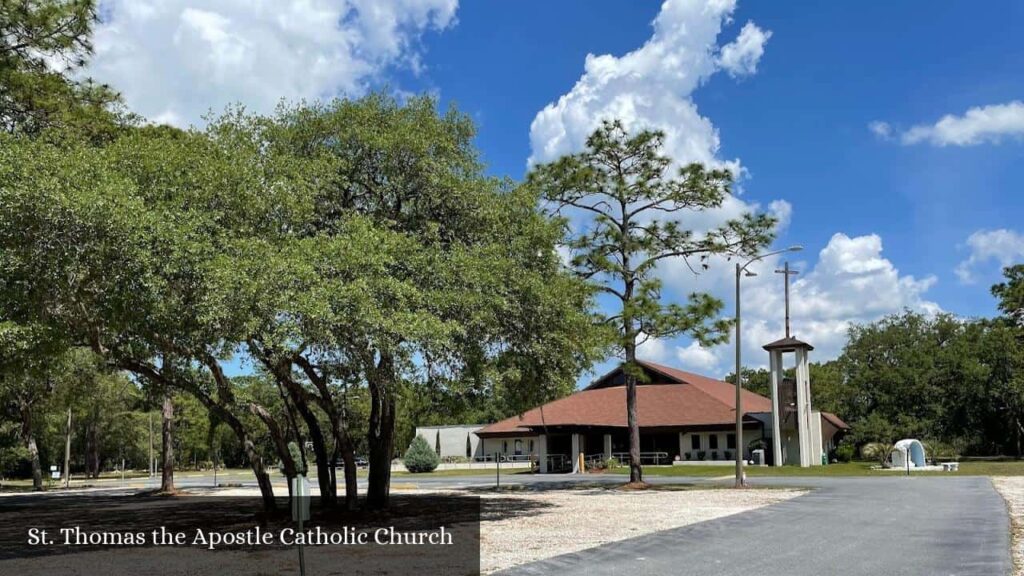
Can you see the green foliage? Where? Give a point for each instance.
(877, 451)
(296, 454)
(420, 457)
(939, 450)
(874, 428)
(758, 381)
(620, 205)
(623, 186)
(354, 247)
(826, 384)
(910, 376)
(846, 451)
(1011, 294)
(43, 46)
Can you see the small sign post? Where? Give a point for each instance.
(300, 511)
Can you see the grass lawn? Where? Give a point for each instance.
(982, 468)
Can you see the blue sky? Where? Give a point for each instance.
(801, 123)
(831, 113)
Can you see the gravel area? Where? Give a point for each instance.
(1012, 490)
(521, 527)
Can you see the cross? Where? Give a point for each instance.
(787, 273)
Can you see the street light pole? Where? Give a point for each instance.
(740, 269)
(740, 482)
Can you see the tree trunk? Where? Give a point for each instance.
(220, 408)
(299, 398)
(636, 473)
(280, 442)
(1018, 435)
(28, 435)
(343, 448)
(167, 445)
(262, 478)
(343, 445)
(381, 435)
(255, 462)
(328, 490)
(342, 441)
(92, 451)
(67, 453)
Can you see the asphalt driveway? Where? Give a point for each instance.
(920, 526)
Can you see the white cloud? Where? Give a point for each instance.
(652, 85)
(1003, 246)
(698, 358)
(985, 124)
(740, 57)
(850, 283)
(783, 212)
(655, 350)
(174, 60)
(881, 129)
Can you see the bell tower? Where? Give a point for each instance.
(796, 428)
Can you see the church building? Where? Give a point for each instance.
(684, 418)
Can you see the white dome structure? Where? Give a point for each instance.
(908, 450)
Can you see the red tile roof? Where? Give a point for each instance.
(672, 398)
(835, 420)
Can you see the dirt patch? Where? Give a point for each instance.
(1012, 490)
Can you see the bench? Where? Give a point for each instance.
(950, 466)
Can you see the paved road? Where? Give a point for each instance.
(891, 526)
(923, 526)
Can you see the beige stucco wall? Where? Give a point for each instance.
(686, 440)
(507, 446)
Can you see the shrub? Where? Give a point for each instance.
(878, 451)
(845, 452)
(612, 463)
(420, 457)
(938, 450)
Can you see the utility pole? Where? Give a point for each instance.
(787, 273)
